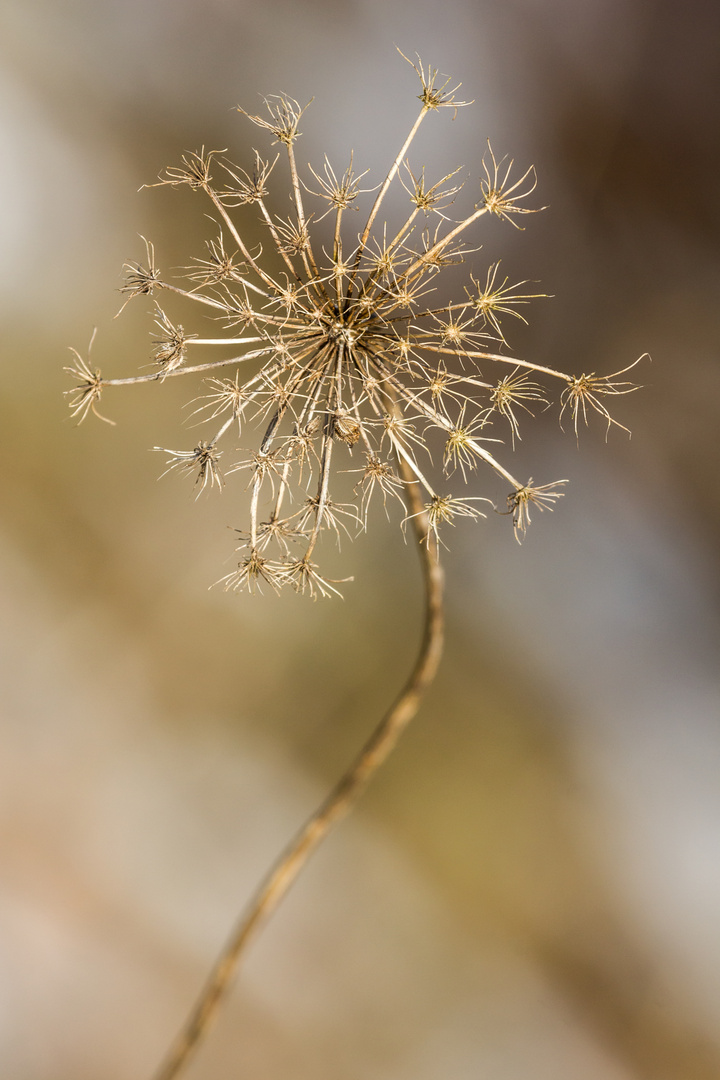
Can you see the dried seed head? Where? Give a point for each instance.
(227, 395)
(512, 392)
(325, 514)
(294, 236)
(304, 577)
(428, 199)
(378, 475)
(85, 396)
(434, 96)
(543, 496)
(219, 266)
(501, 197)
(252, 571)
(282, 533)
(262, 465)
(194, 171)
(345, 427)
(443, 509)
(461, 448)
(169, 350)
(584, 392)
(284, 116)
(355, 349)
(203, 459)
(342, 193)
(248, 187)
(141, 280)
(492, 300)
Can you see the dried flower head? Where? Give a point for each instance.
(519, 502)
(85, 396)
(336, 350)
(511, 392)
(204, 460)
(584, 392)
(141, 280)
(501, 197)
(443, 509)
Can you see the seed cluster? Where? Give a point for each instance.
(339, 355)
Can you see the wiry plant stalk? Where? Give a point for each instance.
(333, 808)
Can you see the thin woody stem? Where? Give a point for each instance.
(437, 248)
(381, 195)
(159, 376)
(241, 244)
(278, 244)
(499, 358)
(337, 804)
(307, 254)
(370, 287)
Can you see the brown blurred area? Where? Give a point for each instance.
(532, 887)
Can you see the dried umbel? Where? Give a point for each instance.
(341, 359)
(339, 356)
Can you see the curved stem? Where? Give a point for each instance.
(334, 807)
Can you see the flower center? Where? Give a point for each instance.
(338, 331)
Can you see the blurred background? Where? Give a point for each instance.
(532, 886)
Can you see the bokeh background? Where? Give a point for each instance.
(532, 887)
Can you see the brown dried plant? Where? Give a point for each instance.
(339, 354)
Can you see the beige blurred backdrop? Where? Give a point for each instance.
(531, 889)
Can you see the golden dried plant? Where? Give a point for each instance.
(337, 355)
(343, 355)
